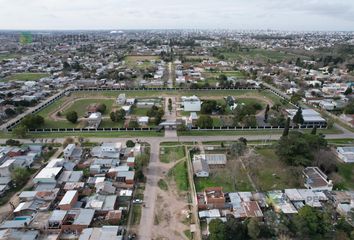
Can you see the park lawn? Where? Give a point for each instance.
(25, 77)
(346, 173)
(51, 108)
(139, 111)
(171, 153)
(108, 123)
(59, 124)
(81, 106)
(180, 175)
(272, 173)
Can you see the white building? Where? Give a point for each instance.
(191, 104)
(346, 154)
(143, 120)
(121, 99)
(315, 179)
(94, 120)
(310, 116)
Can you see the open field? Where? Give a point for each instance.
(172, 153)
(131, 61)
(270, 173)
(344, 178)
(229, 180)
(260, 54)
(25, 77)
(180, 175)
(81, 106)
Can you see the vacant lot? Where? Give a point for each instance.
(231, 178)
(140, 61)
(171, 152)
(344, 178)
(269, 173)
(180, 175)
(25, 77)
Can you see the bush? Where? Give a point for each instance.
(101, 108)
(72, 116)
(130, 144)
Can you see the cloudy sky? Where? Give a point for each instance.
(181, 14)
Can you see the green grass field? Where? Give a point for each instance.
(346, 173)
(25, 77)
(131, 61)
(264, 55)
(271, 173)
(81, 106)
(171, 153)
(180, 175)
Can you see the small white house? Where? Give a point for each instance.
(346, 154)
(121, 99)
(191, 104)
(94, 120)
(143, 120)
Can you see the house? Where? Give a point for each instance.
(191, 104)
(200, 166)
(77, 219)
(127, 109)
(346, 154)
(130, 101)
(103, 233)
(107, 150)
(6, 168)
(94, 120)
(214, 197)
(101, 203)
(69, 200)
(131, 161)
(315, 179)
(121, 99)
(143, 121)
(72, 152)
(56, 219)
(48, 175)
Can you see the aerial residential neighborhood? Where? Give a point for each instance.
(197, 120)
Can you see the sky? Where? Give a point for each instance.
(298, 15)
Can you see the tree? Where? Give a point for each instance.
(101, 108)
(298, 149)
(72, 116)
(20, 176)
(253, 228)
(250, 121)
(348, 91)
(286, 128)
(20, 131)
(33, 121)
(298, 118)
(118, 115)
(314, 130)
(130, 144)
(217, 230)
(205, 121)
(12, 142)
(237, 149)
(68, 141)
(208, 106)
(310, 222)
(10, 112)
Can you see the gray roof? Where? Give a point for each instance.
(84, 217)
(57, 216)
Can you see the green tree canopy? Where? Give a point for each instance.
(72, 116)
(205, 121)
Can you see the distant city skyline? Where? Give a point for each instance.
(300, 15)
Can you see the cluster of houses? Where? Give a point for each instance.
(214, 203)
(12, 157)
(83, 195)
